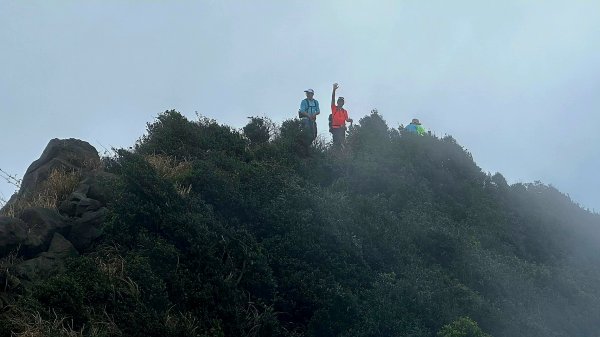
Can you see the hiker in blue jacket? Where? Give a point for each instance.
(415, 127)
(309, 109)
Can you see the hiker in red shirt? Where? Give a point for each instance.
(338, 119)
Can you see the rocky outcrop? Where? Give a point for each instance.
(48, 262)
(98, 185)
(41, 223)
(60, 154)
(45, 237)
(13, 232)
(86, 215)
(78, 204)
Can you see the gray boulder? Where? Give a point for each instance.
(42, 223)
(61, 248)
(86, 229)
(77, 204)
(60, 154)
(12, 233)
(86, 216)
(47, 263)
(47, 237)
(99, 185)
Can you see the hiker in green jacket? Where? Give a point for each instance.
(415, 127)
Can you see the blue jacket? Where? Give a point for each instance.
(415, 128)
(312, 106)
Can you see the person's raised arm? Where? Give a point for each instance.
(335, 86)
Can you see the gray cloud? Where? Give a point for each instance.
(515, 82)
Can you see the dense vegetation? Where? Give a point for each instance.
(219, 232)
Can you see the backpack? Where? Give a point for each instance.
(310, 107)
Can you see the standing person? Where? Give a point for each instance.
(309, 109)
(338, 119)
(415, 127)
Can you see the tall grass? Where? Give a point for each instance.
(48, 194)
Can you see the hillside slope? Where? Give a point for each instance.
(216, 232)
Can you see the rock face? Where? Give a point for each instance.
(42, 223)
(78, 204)
(46, 237)
(48, 262)
(86, 215)
(60, 154)
(97, 185)
(12, 233)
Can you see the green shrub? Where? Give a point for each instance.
(172, 134)
(462, 327)
(259, 130)
(212, 232)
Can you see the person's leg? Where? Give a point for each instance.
(307, 130)
(335, 134)
(314, 130)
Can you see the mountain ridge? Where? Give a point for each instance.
(210, 231)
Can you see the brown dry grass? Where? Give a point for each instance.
(173, 170)
(9, 281)
(49, 193)
(183, 322)
(168, 167)
(112, 264)
(93, 164)
(33, 324)
(182, 190)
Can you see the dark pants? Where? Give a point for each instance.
(339, 136)
(310, 129)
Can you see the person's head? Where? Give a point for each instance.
(340, 101)
(309, 93)
(415, 121)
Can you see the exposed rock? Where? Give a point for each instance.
(47, 263)
(82, 224)
(60, 154)
(41, 223)
(87, 228)
(86, 215)
(12, 233)
(77, 204)
(98, 185)
(61, 247)
(79, 218)
(10, 201)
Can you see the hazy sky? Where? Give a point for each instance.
(515, 82)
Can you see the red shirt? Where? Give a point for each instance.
(340, 115)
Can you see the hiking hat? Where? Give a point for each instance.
(415, 121)
(309, 90)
